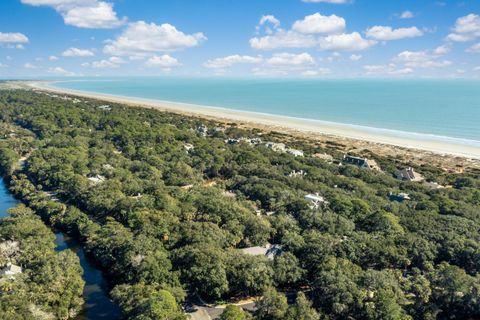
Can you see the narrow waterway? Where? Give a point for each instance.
(97, 304)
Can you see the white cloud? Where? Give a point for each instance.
(92, 14)
(53, 58)
(16, 46)
(268, 20)
(28, 65)
(407, 15)
(442, 50)
(316, 23)
(433, 64)
(328, 1)
(345, 42)
(475, 48)
(76, 52)
(225, 62)
(116, 60)
(163, 61)
(13, 37)
(466, 28)
(355, 57)
(476, 68)
(60, 71)
(142, 39)
(275, 72)
(402, 71)
(283, 39)
(413, 56)
(421, 59)
(301, 35)
(316, 73)
(385, 33)
(3, 65)
(112, 62)
(290, 59)
(390, 69)
(271, 19)
(99, 16)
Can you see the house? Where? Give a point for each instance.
(399, 197)
(279, 147)
(202, 130)
(250, 141)
(360, 162)
(324, 156)
(105, 107)
(294, 173)
(229, 194)
(294, 152)
(434, 185)
(232, 141)
(10, 270)
(8, 249)
(315, 200)
(269, 250)
(188, 147)
(254, 141)
(96, 179)
(408, 174)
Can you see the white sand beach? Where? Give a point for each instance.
(438, 145)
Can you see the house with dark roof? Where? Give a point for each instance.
(360, 162)
(399, 197)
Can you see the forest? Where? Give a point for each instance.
(169, 206)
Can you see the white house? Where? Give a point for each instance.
(279, 147)
(269, 250)
(105, 107)
(324, 156)
(96, 179)
(315, 200)
(295, 152)
(202, 130)
(294, 173)
(408, 174)
(10, 270)
(188, 147)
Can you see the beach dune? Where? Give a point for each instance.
(439, 145)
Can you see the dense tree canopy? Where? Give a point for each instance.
(165, 210)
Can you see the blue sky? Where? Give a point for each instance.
(240, 38)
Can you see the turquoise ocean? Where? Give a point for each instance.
(436, 109)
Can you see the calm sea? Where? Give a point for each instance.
(443, 108)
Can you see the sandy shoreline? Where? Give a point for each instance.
(447, 146)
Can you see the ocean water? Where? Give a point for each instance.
(434, 108)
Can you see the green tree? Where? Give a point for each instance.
(272, 305)
(233, 312)
(287, 270)
(302, 309)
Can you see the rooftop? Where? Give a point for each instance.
(269, 250)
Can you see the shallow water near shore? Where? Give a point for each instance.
(434, 108)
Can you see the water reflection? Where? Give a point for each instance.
(97, 304)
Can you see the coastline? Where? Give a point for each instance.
(358, 135)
